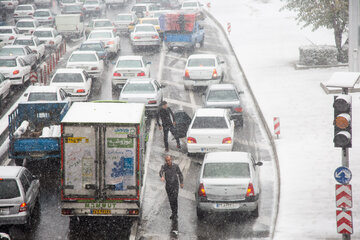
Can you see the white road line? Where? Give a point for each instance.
(175, 57)
(133, 230)
(175, 84)
(161, 63)
(184, 104)
(174, 69)
(192, 98)
(7, 162)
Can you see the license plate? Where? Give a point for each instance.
(207, 149)
(4, 211)
(100, 211)
(227, 205)
(128, 74)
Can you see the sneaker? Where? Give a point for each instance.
(166, 149)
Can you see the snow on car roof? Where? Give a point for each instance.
(227, 157)
(144, 24)
(27, 20)
(129, 58)
(9, 171)
(101, 20)
(7, 27)
(83, 52)
(44, 29)
(42, 89)
(210, 112)
(14, 46)
(221, 86)
(27, 37)
(95, 112)
(202, 56)
(140, 80)
(42, 10)
(102, 30)
(69, 70)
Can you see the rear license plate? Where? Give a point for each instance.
(208, 149)
(100, 211)
(128, 74)
(226, 205)
(4, 211)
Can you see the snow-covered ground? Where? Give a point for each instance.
(266, 42)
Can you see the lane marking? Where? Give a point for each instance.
(192, 98)
(161, 63)
(174, 69)
(176, 57)
(176, 84)
(184, 104)
(133, 230)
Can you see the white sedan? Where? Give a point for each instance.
(27, 26)
(45, 17)
(228, 182)
(87, 60)
(100, 24)
(8, 34)
(23, 51)
(49, 36)
(145, 35)
(16, 69)
(5, 86)
(143, 90)
(24, 11)
(210, 130)
(111, 40)
(94, 7)
(34, 44)
(76, 82)
(202, 70)
(128, 67)
(45, 94)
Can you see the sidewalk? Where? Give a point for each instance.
(266, 42)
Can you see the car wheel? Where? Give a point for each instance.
(19, 162)
(187, 88)
(200, 214)
(255, 213)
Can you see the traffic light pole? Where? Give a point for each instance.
(354, 32)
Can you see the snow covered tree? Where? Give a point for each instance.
(332, 14)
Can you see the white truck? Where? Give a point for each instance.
(70, 25)
(102, 159)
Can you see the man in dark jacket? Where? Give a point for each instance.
(168, 122)
(170, 174)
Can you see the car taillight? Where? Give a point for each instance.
(23, 207)
(15, 14)
(49, 18)
(152, 102)
(202, 192)
(141, 74)
(214, 74)
(187, 74)
(94, 68)
(155, 37)
(250, 191)
(16, 72)
(34, 51)
(11, 38)
(30, 14)
(31, 31)
(165, 38)
(84, 9)
(238, 109)
(227, 140)
(191, 140)
(1, 179)
(116, 74)
(80, 91)
(65, 211)
(10, 5)
(110, 42)
(97, 8)
(51, 42)
(136, 37)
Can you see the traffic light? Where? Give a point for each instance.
(342, 121)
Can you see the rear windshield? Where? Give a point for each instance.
(8, 63)
(23, 8)
(100, 35)
(42, 96)
(139, 88)
(150, 21)
(144, 29)
(41, 14)
(201, 62)
(68, 77)
(91, 2)
(25, 24)
(91, 47)
(138, 9)
(209, 122)
(42, 34)
(189, 4)
(68, 1)
(83, 58)
(222, 96)
(9, 189)
(12, 52)
(27, 42)
(72, 8)
(102, 24)
(123, 18)
(129, 64)
(2, 31)
(226, 170)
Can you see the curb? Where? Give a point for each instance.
(269, 134)
(304, 67)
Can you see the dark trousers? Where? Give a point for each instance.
(173, 192)
(166, 130)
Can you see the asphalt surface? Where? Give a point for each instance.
(155, 224)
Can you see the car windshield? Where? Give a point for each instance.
(222, 96)
(68, 1)
(12, 52)
(42, 34)
(83, 58)
(103, 24)
(91, 2)
(3, 31)
(42, 96)
(71, 8)
(123, 18)
(91, 47)
(226, 170)
(189, 4)
(24, 8)
(139, 88)
(201, 62)
(100, 35)
(27, 42)
(144, 29)
(9, 189)
(8, 63)
(129, 64)
(41, 14)
(150, 21)
(209, 122)
(24, 24)
(68, 78)
(138, 9)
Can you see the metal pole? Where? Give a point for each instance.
(345, 157)
(354, 39)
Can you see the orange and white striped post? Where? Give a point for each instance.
(277, 126)
(208, 5)
(229, 27)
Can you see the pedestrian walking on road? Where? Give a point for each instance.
(168, 122)
(170, 174)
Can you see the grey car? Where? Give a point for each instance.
(225, 96)
(19, 196)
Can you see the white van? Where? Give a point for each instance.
(70, 25)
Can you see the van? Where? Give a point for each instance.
(70, 25)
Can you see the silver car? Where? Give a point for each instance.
(145, 35)
(19, 195)
(229, 182)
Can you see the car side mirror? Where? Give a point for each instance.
(106, 47)
(241, 92)
(222, 62)
(259, 164)
(163, 86)
(148, 63)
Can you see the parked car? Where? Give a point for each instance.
(45, 94)
(19, 194)
(99, 24)
(145, 35)
(111, 40)
(125, 22)
(211, 130)
(5, 86)
(10, 4)
(24, 11)
(142, 10)
(23, 51)
(228, 182)
(27, 26)
(87, 60)
(129, 67)
(76, 82)
(44, 17)
(225, 96)
(8, 34)
(98, 47)
(143, 90)
(16, 69)
(70, 25)
(49, 36)
(94, 7)
(72, 9)
(33, 43)
(202, 70)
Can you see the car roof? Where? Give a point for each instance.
(92, 41)
(202, 56)
(140, 80)
(149, 18)
(130, 57)
(25, 37)
(7, 27)
(83, 52)
(69, 70)
(10, 171)
(27, 20)
(102, 30)
(44, 29)
(128, 14)
(213, 112)
(14, 46)
(144, 24)
(141, 4)
(102, 19)
(9, 57)
(42, 89)
(220, 157)
(42, 9)
(31, 5)
(227, 86)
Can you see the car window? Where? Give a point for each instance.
(3, 31)
(24, 182)
(209, 122)
(7, 62)
(91, 47)
(37, 41)
(103, 24)
(201, 62)
(24, 8)
(138, 9)
(139, 88)
(226, 170)
(2, 78)
(123, 18)
(67, 77)
(41, 14)
(83, 58)
(145, 29)
(28, 175)
(100, 35)
(22, 62)
(28, 42)
(42, 34)
(129, 64)
(190, 4)
(12, 52)
(9, 189)
(42, 96)
(154, 7)
(91, 2)
(222, 96)
(25, 24)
